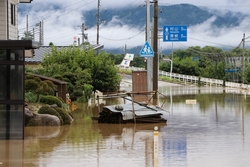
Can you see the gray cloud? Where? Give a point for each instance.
(62, 24)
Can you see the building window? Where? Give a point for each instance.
(13, 14)
(11, 94)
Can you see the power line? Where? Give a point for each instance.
(46, 20)
(123, 38)
(135, 9)
(211, 42)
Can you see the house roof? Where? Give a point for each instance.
(39, 54)
(15, 44)
(43, 50)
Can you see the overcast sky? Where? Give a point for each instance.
(61, 26)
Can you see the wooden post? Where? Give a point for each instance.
(132, 97)
(99, 110)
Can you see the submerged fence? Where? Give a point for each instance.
(195, 79)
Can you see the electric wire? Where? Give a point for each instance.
(210, 42)
(57, 16)
(110, 39)
(128, 13)
(123, 38)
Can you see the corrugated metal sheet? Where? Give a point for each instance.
(139, 110)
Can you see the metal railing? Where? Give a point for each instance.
(195, 79)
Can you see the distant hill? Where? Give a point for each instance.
(181, 14)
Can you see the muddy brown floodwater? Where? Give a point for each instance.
(207, 127)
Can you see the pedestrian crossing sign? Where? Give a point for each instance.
(146, 51)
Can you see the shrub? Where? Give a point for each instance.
(30, 97)
(76, 94)
(29, 76)
(50, 84)
(37, 79)
(88, 89)
(44, 89)
(57, 77)
(71, 76)
(49, 110)
(70, 87)
(31, 85)
(64, 115)
(32, 122)
(81, 99)
(50, 100)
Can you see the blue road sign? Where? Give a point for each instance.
(232, 70)
(174, 33)
(146, 51)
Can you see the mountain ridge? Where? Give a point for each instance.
(178, 14)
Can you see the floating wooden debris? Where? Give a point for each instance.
(134, 112)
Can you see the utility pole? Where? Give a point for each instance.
(155, 48)
(33, 34)
(27, 24)
(243, 57)
(41, 35)
(125, 49)
(149, 59)
(98, 22)
(83, 36)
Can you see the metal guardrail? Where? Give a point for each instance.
(194, 79)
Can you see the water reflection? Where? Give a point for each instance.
(214, 131)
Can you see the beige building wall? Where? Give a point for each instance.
(9, 18)
(3, 19)
(13, 27)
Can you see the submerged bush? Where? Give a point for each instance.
(32, 122)
(64, 115)
(49, 110)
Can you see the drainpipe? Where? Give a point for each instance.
(8, 34)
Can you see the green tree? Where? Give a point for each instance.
(117, 58)
(80, 66)
(138, 62)
(27, 35)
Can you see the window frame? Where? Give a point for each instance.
(13, 14)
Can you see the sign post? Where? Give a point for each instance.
(172, 34)
(146, 51)
(156, 146)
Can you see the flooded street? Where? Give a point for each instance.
(208, 127)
